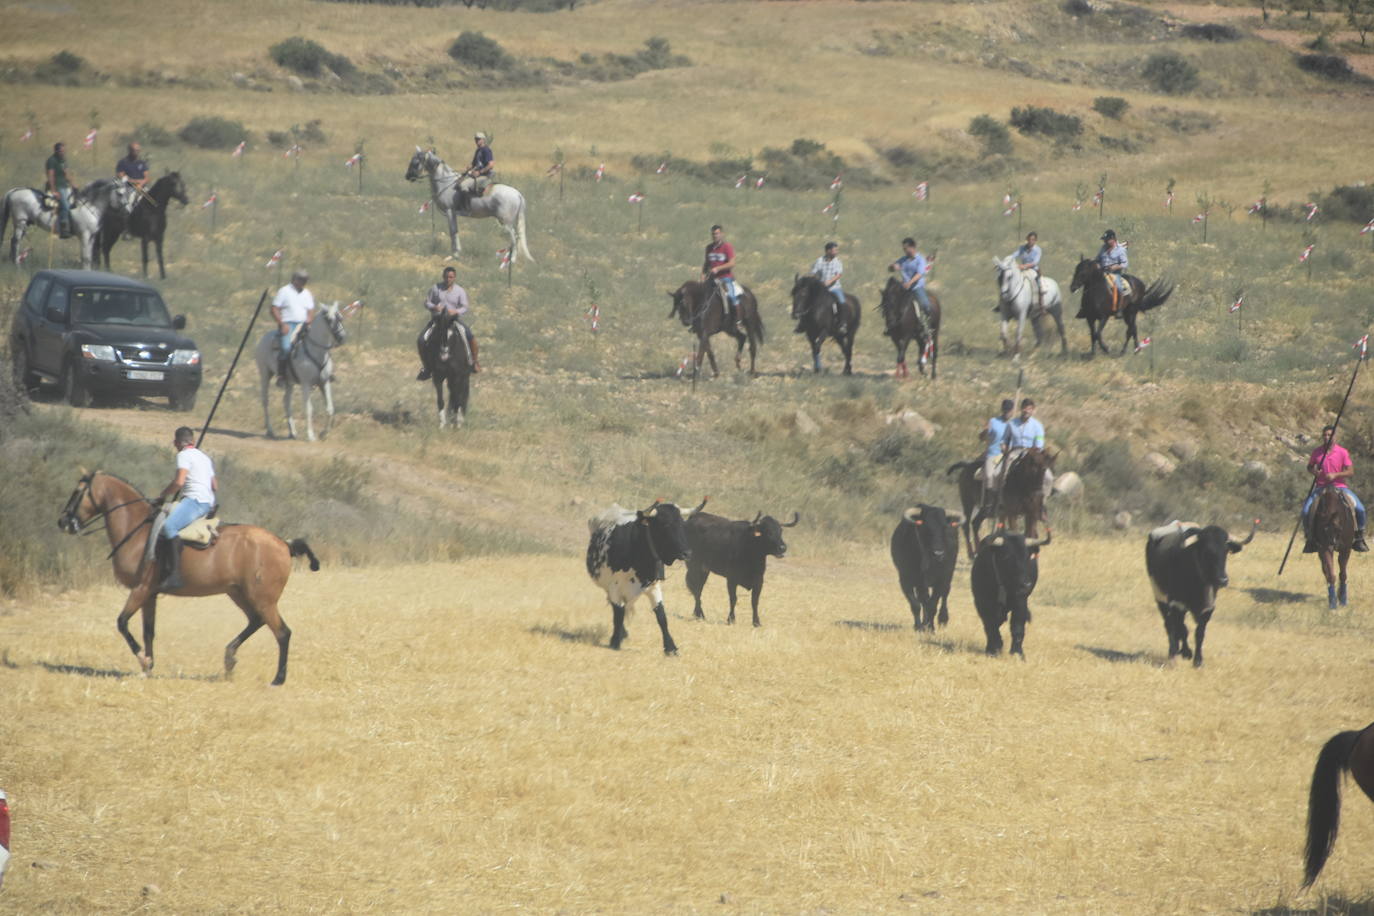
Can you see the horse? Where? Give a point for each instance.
(819, 315)
(147, 220)
(1022, 493)
(1348, 752)
(90, 207)
(701, 306)
(452, 365)
(1333, 533)
(501, 201)
(311, 366)
(1014, 304)
(247, 563)
(903, 326)
(1096, 307)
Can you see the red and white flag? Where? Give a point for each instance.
(758, 185)
(740, 181)
(1311, 211)
(294, 150)
(90, 138)
(238, 150)
(1145, 342)
(1015, 205)
(26, 136)
(1200, 217)
(1077, 205)
(505, 259)
(828, 208)
(1169, 200)
(424, 207)
(1306, 253)
(662, 167)
(836, 184)
(1006, 200)
(929, 351)
(593, 317)
(554, 169)
(1097, 197)
(1236, 307)
(24, 255)
(922, 191)
(683, 366)
(635, 198)
(276, 257)
(600, 170)
(1256, 207)
(210, 202)
(1368, 227)
(353, 160)
(1362, 345)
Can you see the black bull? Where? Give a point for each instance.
(1187, 566)
(737, 550)
(925, 548)
(1005, 572)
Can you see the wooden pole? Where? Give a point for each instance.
(228, 375)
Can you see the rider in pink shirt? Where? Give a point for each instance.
(1330, 465)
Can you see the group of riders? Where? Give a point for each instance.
(60, 184)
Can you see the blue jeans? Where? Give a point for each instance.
(839, 293)
(183, 514)
(1359, 506)
(64, 206)
(284, 340)
(921, 297)
(731, 290)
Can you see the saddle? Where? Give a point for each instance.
(202, 533)
(1119, 285)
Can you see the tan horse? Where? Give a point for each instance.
(247, 563)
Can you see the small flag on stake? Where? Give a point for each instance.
(635, 198)
(683, 366)
(210, 202)
(238, 150)
(1144, 342)
(1169, 200)
(600, 170)
(24, 255)
(90, 138)
(594, 317)
(662, 167)
(1097, 197)
(922, 191)
(758, 185)
(1236, 306)
(505, 259)
(354, 160)
(827, 208)
(424, 207)
(1362, 345)
(1311, 211)
(276, 258)
(1368, 227)
(739, 182)
(1077, 205)
(554, 169)
(837, 183)
(1200, 217)
(1256, 207)
(1306, 253)
(26, 136)
(1016, 205)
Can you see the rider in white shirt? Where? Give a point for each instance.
(195, 480)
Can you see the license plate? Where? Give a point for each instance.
(142, 375)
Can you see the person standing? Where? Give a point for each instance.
(59, 182)
(446, 296)
(292, 307)
(195, 481)
(1027, 260)
(132, 168)
(828, 269)
(1330, 465)
(719, 268)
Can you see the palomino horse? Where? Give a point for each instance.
(311, 366)
(1348, 752)
(701, 306)
(1014, 303)
(1098, 306)
(247, 563)
(450, 365)
(1022, 493)
(147, 220)
(819, 315)
(501, 201)
(1333, 534)
(90, 208)
(903, 326)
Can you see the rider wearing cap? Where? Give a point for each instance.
(291, 307)
(478, 176)
(1111, 257)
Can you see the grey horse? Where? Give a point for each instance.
(501, 201)
(1014, 304)
(24, 207)
(311, 367)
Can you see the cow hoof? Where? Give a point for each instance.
(615, 646)
(1186, 652)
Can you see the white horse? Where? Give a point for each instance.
(1015, 299)
(24, 206)
(501, 201)
(311, 367)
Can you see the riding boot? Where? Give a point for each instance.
(739, 318)
(283, 366)
(64, 229)
(472, 346)
(1359, 544)
(172, 564)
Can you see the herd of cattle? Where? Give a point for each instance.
(628, 551)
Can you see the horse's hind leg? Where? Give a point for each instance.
(254, 624)
(149, 626)
(1341, 595)
(161, 268)
(439, 400)
(328, 408)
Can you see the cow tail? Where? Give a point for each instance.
(1324, 802)
(1158, 294)
(300, 548)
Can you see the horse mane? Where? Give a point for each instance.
(126, 483)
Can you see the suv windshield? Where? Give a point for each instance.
(119, 306)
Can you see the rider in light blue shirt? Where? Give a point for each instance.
(913, 266)
(1022, 433)
(1111, 257)
(995, 435)
(1027, 260)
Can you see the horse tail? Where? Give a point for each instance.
(520, 232)
(1324, 803)
(4, 215)
(758, 320)
(959, 466)
(300, 548)
(1158, 294)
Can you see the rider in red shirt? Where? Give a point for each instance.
(719, 268)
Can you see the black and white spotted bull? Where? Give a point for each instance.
(737, 550)
(626, 556)
(1004, 575)
(1187, 566)
(925, 547)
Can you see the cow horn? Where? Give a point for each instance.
(998, 541)
(912, 514)
(756, 519)
(1190, 540)
(1040, 542)
(1239, 544)
(796, 517)
(691, 512)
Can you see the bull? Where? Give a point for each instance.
(737, 550)
(1187, 566)
(925, 547)
(1005, 571)
(626, 557)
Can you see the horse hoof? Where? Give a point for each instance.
(145, 663)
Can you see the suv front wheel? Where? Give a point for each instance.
(73, 389)
(24, 379)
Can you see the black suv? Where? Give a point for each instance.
(95, 333)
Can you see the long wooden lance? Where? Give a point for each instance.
(230, 374)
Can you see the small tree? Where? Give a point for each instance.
(474, 49)
(1360, 15)
(1110, 106)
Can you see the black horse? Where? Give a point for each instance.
(1349, 752)
(903, 326)
(701, 307)
(1099, 305)
(820, 315)
(147, 220)
(451, 365)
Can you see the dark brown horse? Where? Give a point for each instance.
(701, 307)
(247, 563)
(1023, 494)
(1099, 306)
(903, 325)
(147, 221)
(819, 315)
(1348, 752)
(450, 366)
(1333, 534)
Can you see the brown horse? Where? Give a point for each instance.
(701, 307)
(1023, 494)
(1098, 306)
(247, 563)
(1333, 534)
(1348, 752)
(903, 326)
(820, 315)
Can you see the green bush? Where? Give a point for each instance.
(309, 58)
(657, 54)
(213, 133)
(994, 134)
(1046, 122)
(1110, 106)
(63, 68)
(66, 62)
(1329, 66)
(473, 49)
(1171, 74)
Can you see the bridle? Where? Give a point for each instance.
(335, 325)
(73, 525)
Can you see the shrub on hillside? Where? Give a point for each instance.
(1170, 74)
(212, 132)
(993, 133)
(1077, 7)
(1328, 66)
(63, 68)
(1183, 122)
(1110, 106)
(309, 58)
(151, 135)
(1211, 31)
(1046, 122)
(657, 54)
(473, 49)
(807, 164)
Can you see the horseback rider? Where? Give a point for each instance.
(291, 307)
(59, 183)
(1027, 260)
(719, 268)
(195, 480)
(828, 270)
(475, 180)
(444, 296)
(995, 435)
(132, 168)
(913, 267)
(1111, 257)
(1026, 432)
(1330, 465)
